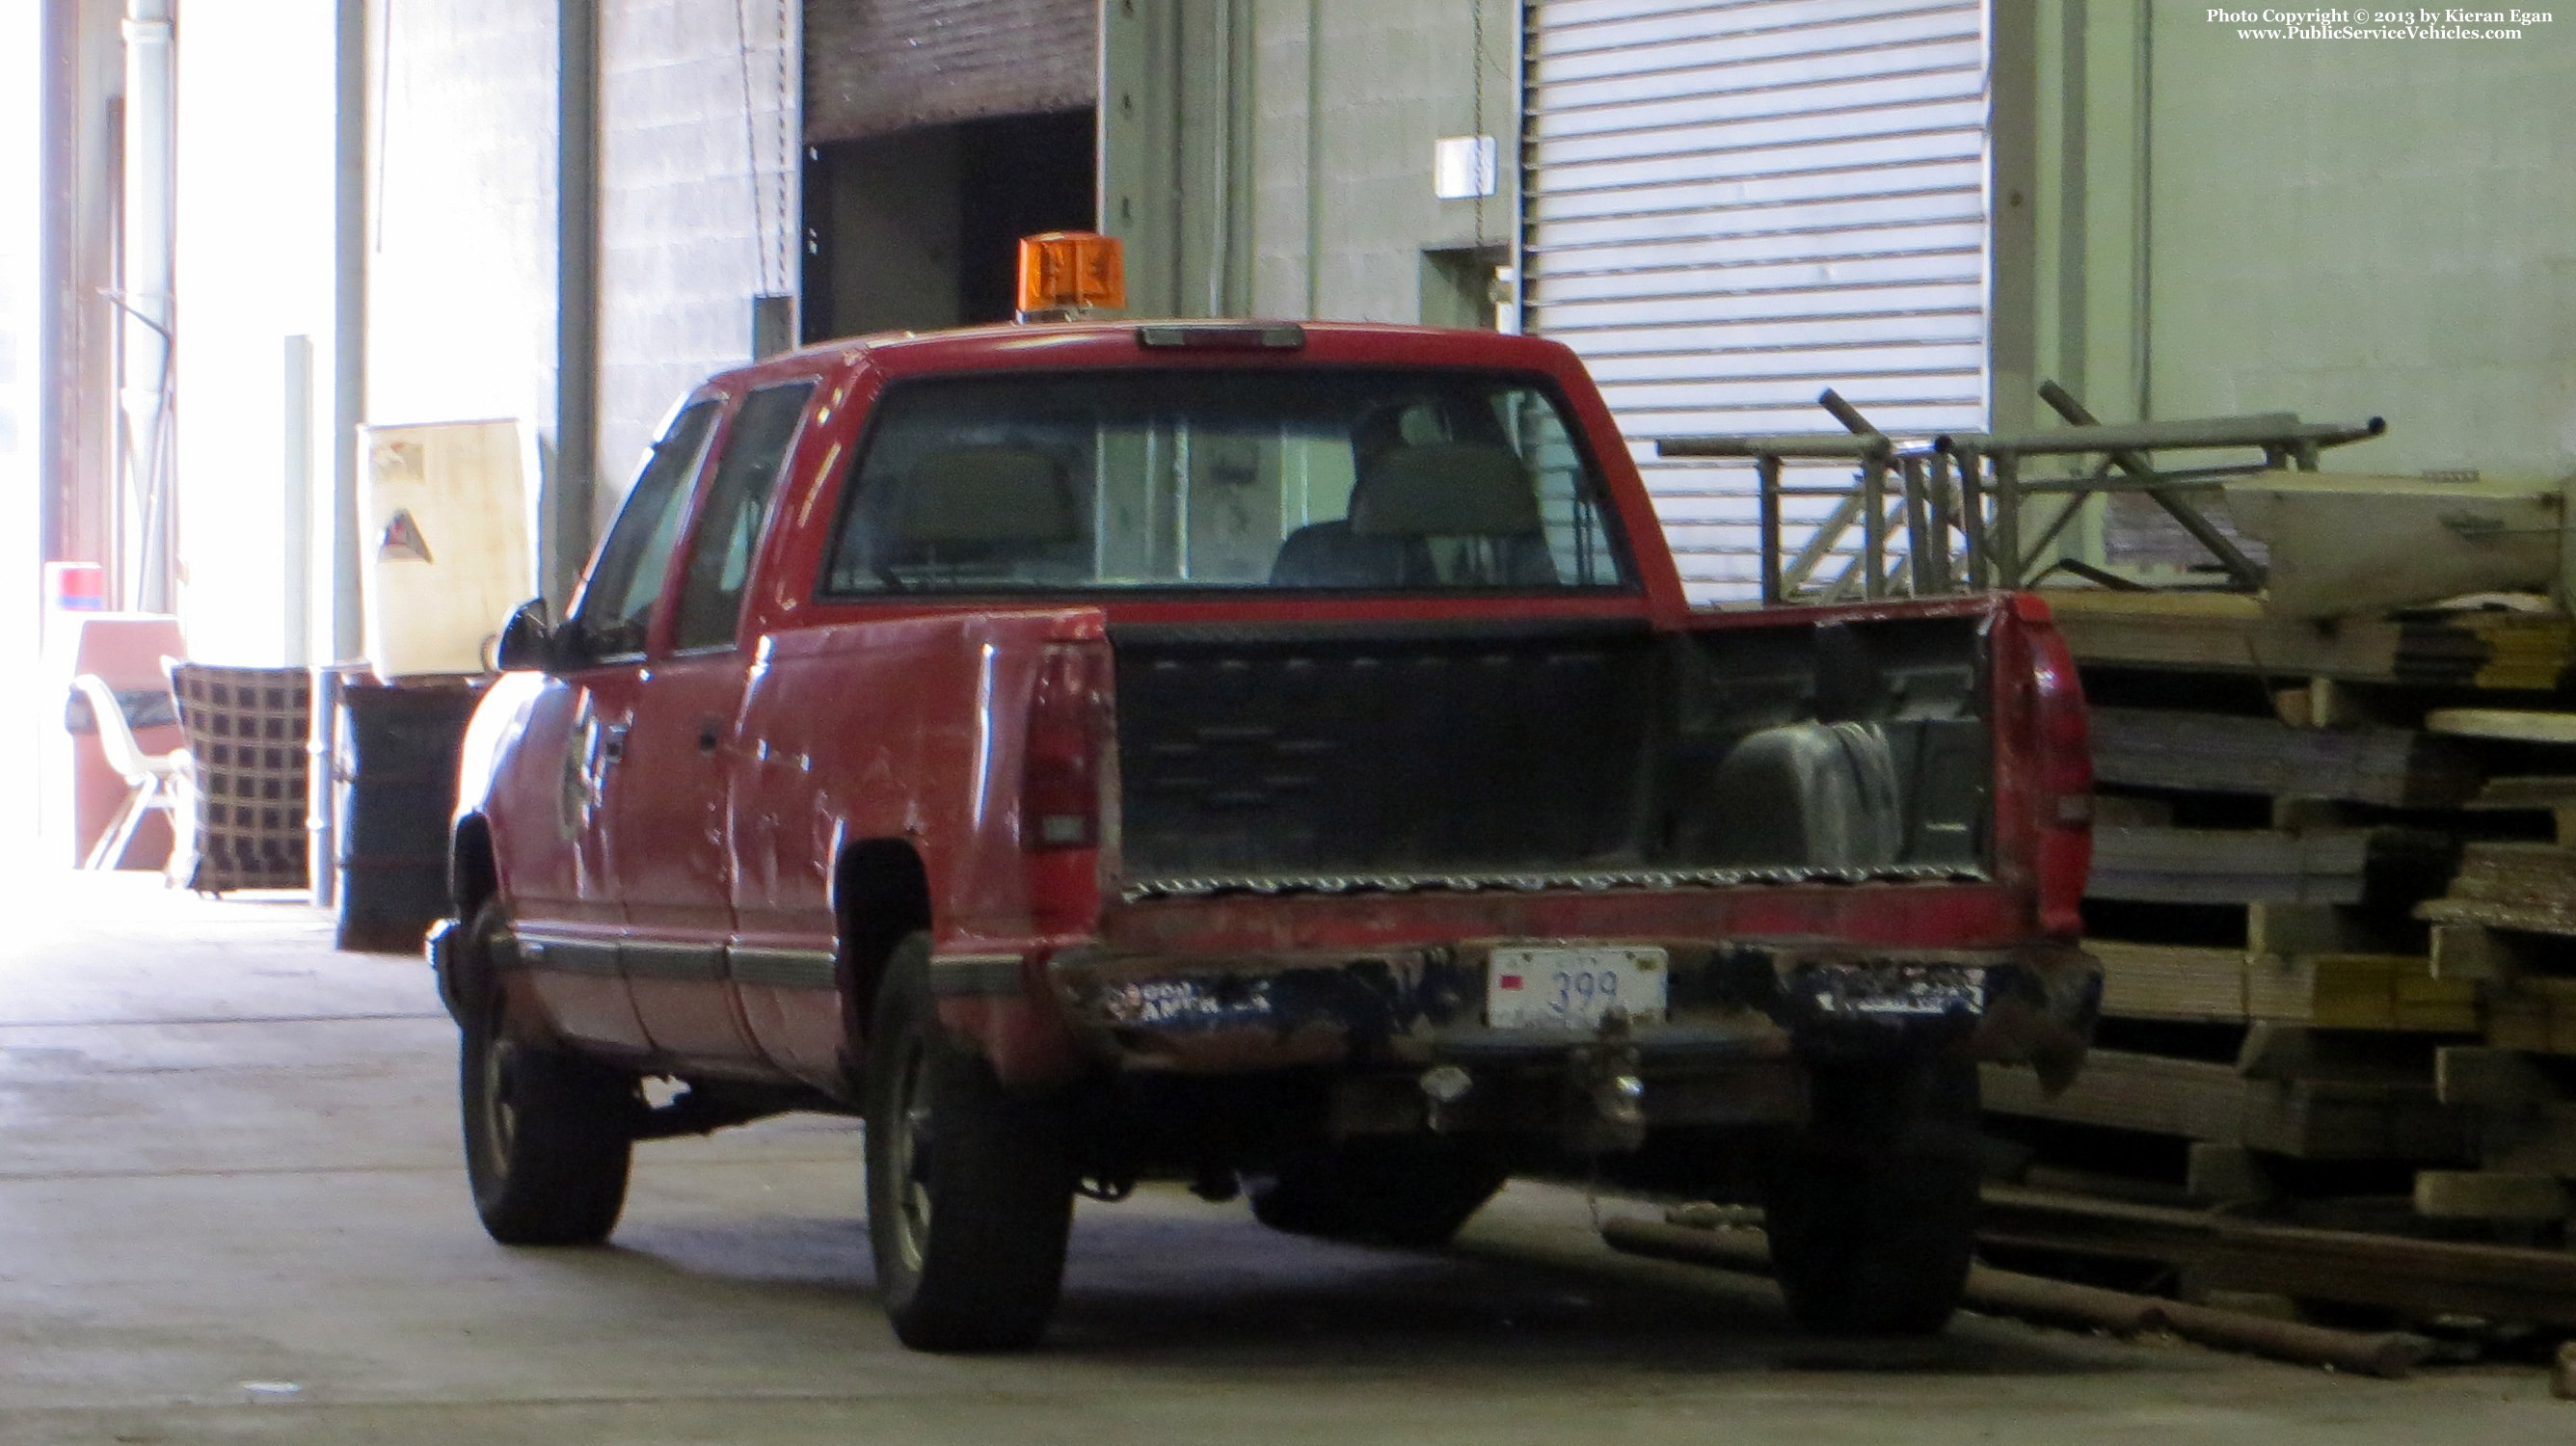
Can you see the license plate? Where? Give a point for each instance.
(1528, 988)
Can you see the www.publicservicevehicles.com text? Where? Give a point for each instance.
(2446, 23)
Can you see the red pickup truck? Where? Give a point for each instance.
(1279, 757)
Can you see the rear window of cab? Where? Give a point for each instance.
(1336, 479)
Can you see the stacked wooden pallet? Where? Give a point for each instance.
(2230, 633)
(2507, 926)
(2278, 798)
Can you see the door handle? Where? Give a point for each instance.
(710, 732)
(612, 740)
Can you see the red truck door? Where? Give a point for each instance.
(561, 852)
(669, 803)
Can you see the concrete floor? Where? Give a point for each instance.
(231, 1210)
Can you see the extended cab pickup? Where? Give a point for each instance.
(1276, 757)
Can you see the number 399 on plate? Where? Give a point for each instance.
(1533, 987)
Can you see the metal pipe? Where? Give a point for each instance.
(2244, 570)
(2387, 1354)
(338, 627)
(2006, 531)
(144, 295)
(1972, 520)
(57, 311)
(2057, 524)
(1848, 578)
(2390, 1355)
(1873, 528)
(296, 483)
(2255, 431)
(1828, 532)
(1766, 470)
(1873, 491)
(1845, 413)
(1918, 562)
(2184, 479)
(1221, 155)
(1810, 446)
(574, 483)
(1939, 496)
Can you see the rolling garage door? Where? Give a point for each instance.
(1732, 206)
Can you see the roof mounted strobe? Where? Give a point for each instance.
(1065, 275)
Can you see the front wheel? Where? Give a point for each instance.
(548, 1136)
(1872, 1209)
(970, 1186)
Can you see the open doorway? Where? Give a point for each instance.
(920, 229)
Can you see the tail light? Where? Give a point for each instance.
(1060, 787)
(2054, 757)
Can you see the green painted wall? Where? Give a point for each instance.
(2337, 228)
(1273, 157)
(2187, 222)
(2354, 228)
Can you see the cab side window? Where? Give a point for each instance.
(616, 603)
(728, 528)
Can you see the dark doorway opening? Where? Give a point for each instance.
(920, 229)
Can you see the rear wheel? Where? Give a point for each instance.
(1872, 1210)
(970, 1186)
(548, 1135)
(1408, 1192)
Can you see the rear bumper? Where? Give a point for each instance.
(1731, 1004)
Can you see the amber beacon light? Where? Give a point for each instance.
(1066, 273)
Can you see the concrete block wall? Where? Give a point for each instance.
(461, 223)
(699, 149)
(873, 67)
(1273, 157)
(1350, 97)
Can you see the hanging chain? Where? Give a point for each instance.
(1476, 123)
(789, 111)
(750, 140)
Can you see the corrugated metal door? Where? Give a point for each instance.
(1732, 206)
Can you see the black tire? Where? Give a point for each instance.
(1407, 1192)
(970, 1186)
(548, 1134)
(1872, 1210)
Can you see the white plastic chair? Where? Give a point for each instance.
(150, 777)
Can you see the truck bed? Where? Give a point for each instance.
(1547, 754)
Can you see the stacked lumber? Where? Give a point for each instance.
(2507, 927)
(2230, 632)
(2310, 1117)
(2320, 991)
(2283, 807)
(2523, 886)
(2224, 753)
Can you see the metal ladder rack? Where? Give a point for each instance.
(1970, 487)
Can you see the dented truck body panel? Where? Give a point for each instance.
(1313, 816)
